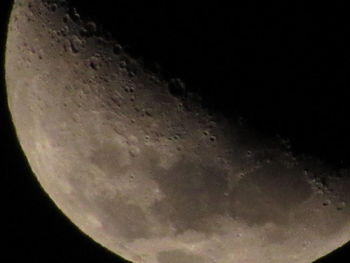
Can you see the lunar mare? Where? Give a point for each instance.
(148, 174)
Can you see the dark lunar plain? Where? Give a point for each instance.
(284, 67)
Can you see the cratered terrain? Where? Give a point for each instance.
(142, 167)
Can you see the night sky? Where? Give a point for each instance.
(283, 67)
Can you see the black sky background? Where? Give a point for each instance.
(284, 67)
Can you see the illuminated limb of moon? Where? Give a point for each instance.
(148, 175)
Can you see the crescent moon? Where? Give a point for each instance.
(149, 173)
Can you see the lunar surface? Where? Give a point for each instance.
(151, 174)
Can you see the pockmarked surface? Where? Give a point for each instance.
(151, 174)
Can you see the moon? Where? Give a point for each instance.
(139, 165)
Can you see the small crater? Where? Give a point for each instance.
(212, 138)
(174, 138)
(74, 15)
(94, 63)
(117, 49)
(75, 43)
(132, 69)
(148, 112)
(134, 151)
(326, 203)
(53, 7)
(91, 27)
(341, 206)
(66, 19)
(123, 64)
(129, 89)
(177, 87)
(89, 30)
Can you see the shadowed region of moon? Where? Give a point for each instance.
(138, 161)
(291, 57)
